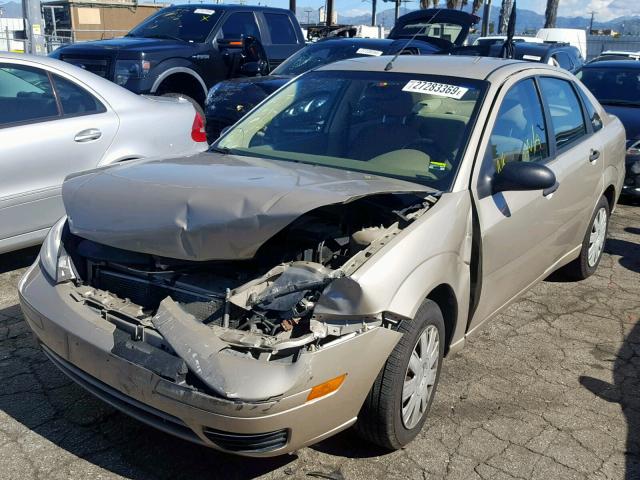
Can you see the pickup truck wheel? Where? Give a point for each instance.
(397, 405)
(593, 244)
(195, 104)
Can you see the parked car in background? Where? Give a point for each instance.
(499, 40)
(616, 55)
(57, 119)
(616, 85)
(229, 101)
(311, 271)
(560, 55)
(186, 49)
(573, 36)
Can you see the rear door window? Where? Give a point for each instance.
(519, 133)
(26, 95)
(239, 25)
(566, 113)
(74, 99)
(280, 29)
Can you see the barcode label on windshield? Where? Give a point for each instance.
(433, 88)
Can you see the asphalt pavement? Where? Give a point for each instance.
(548, 390)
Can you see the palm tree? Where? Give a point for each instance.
(475, 6)
(505, 11)
(426, 3)
(452, 3)
(551, 13)
(463, 3)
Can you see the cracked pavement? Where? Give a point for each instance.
(548, 390)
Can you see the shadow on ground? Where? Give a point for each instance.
(20, 259)
(625, 390)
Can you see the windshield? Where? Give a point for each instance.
(613, 86)
(407, 126)
(444, 31)
(187, 24)
(320, 54)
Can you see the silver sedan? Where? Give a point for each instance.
(57, 119)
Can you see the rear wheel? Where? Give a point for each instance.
(593, 244)
(399, 401)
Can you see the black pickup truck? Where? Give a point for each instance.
(186, 49)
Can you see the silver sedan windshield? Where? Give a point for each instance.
(409, 126)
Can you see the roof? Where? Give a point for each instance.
(226, 6)
(478, 68)
(626, 64)
(381, 42)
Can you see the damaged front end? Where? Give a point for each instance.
(240, 329)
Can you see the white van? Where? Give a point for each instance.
(572, 36)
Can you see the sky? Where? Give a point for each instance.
(604, 9)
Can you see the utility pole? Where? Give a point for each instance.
(485, 18)
(373, 12)
(292, 6)
(396, 11)
(34, 27)
(591, 22)
(329, 20)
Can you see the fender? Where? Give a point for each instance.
(185, 68)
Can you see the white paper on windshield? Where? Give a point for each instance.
(434, 88)
(204, 11)
(535, 58)
(368, 51)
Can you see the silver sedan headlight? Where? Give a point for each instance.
(53, 257)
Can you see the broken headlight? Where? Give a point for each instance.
(53, 257)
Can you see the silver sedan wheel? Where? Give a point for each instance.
(420, 377)
(597, 237)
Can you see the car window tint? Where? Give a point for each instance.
(566, 113)
(240, 24)
(25, 95)
(75, 100)
(519, 133)
(280, 29)
(594, 117)
(563, 60)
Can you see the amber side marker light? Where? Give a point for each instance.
(326, 388)
(235, 44)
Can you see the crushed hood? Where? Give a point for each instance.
(208, 206)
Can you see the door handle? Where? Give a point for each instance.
(88, 135)
(594, 155)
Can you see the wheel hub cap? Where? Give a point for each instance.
(597, 237)
(420, 377)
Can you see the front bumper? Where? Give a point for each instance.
(80, 342)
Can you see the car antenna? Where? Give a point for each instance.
(420, 30)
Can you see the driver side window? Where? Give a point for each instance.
(519, 133)
(240, 25)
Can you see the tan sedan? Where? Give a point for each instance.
(312, 270)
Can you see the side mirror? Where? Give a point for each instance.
(252, 69)
(523, 176)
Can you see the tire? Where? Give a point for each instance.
(195, 104)
(381, 420)
(587, 263)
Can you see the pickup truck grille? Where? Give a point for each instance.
(99, 66)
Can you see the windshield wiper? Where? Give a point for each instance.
(165, 37)
(223, 150)
(629, 103)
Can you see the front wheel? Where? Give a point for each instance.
(397, 405)
(592, 245)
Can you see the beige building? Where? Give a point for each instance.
(83, 20)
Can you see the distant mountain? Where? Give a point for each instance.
(526, 19)
(11, 9)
